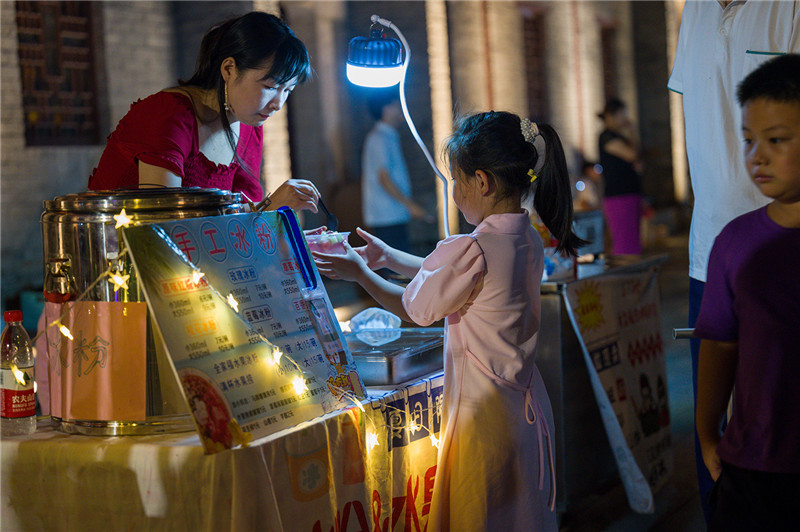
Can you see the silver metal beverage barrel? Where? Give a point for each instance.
(80, 242)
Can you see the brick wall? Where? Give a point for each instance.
(138, 61)
(145, 46)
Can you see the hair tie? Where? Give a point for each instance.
(530, 132)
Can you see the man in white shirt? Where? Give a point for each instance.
(720, 43)
(386, 187)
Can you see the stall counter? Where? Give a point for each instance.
(348, 470)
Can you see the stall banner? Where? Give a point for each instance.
(362, 470)
(618, 322)
(246, 322)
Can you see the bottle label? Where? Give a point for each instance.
(18, 398)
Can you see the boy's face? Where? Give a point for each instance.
(771, 132)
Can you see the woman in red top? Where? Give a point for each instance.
(207, 131)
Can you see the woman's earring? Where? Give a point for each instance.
(227, 105)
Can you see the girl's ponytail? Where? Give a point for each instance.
(552, 195)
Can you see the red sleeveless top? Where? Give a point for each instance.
(161, 130)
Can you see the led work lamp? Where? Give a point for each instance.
(379, 61)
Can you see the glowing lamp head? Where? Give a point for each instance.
(375, 61)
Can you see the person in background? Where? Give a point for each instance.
(748, 322)
(386, 201)
(206, 132)
(622, 194)
(495, 468)
(588, 193)
(718, 45)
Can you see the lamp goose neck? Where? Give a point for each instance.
(410, 122)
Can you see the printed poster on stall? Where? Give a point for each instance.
(618, 321)
(247, 324)
(371, 470)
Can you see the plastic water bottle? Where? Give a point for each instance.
(18, 400)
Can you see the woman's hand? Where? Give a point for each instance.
(297, 194)
(347, 267)
(376, 253)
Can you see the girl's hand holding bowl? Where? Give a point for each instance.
(347, 266)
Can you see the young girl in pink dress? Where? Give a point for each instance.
(496, 468)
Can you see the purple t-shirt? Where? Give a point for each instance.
(752, 296)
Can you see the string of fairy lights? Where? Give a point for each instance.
(115, 274)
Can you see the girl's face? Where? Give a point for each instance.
(467, 196)
(771, 131)
(252, 95)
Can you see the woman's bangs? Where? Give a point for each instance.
(290, 61)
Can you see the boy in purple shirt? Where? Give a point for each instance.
(749, 321)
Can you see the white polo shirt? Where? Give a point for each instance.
(382, 149)
(717, 48)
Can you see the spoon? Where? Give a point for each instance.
(331, 221)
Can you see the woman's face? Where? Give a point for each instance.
(617, 120)
(253, 96)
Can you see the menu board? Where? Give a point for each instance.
(246, 322)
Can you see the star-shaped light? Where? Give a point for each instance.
(120, 281)
(372, 440)
(435, 441)
(276, 355)
(122, 219)
(196, 276)
(413, 427)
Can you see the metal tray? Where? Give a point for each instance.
(414, 353)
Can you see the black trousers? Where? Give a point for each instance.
(749, 500)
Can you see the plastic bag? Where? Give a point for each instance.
(375, 326)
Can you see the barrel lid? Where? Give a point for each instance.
(144, 199)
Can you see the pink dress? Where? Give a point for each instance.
(161, 130)
(495, 468)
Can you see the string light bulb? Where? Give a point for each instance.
(299, 385)
(233, 303)
(65, 331)
(276, 355)
(196, 276)
(19, 376)
(435, 441)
